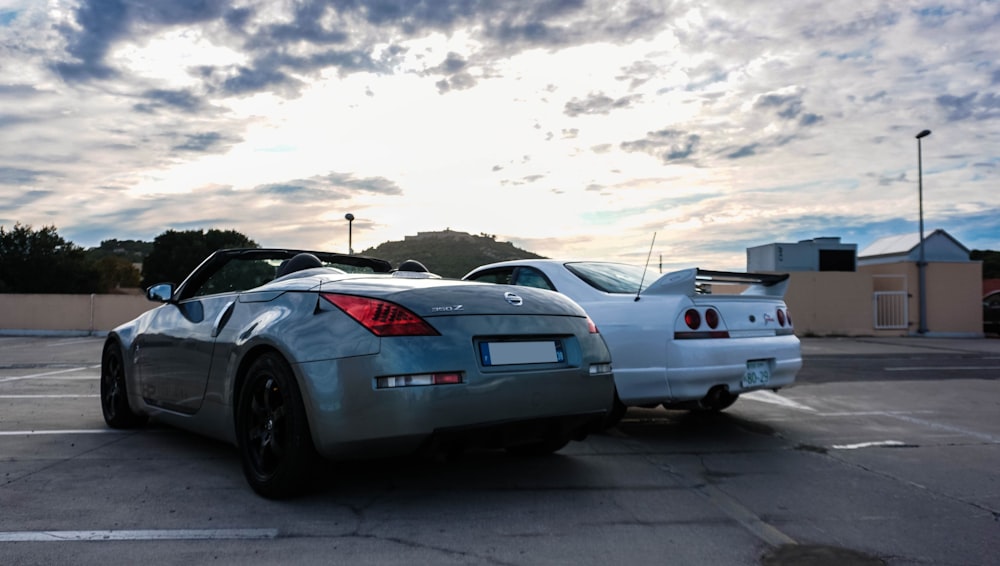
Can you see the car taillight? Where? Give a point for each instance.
(712, 318)
(781, 317)
(788, 315)
(692, 319)
(591, 326)
(381, 318)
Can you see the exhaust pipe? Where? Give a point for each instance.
(717, 398)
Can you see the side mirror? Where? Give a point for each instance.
(161, 292)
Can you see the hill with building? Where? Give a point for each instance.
(449, 253)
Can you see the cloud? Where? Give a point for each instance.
(99, 24)
(23, 199)
(202, 142)
(17, 175)
(598, 103)
(971, 106)
(183, 100)
(332, 186)
(745, 151)
(314, 35)
(454, 68)
(668, 145)
(563, 123)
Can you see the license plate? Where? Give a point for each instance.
(512, 353)
(758, 372)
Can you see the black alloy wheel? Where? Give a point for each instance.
(272, 432)
(114, 394)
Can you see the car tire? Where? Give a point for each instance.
(114, 392)
(272, 432)
(616, 414)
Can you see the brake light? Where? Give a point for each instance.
(591, 326)
(381, 318)
(712, 318)
(781, 317)
(692, 319)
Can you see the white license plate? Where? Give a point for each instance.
(758, 372)
(511, 353)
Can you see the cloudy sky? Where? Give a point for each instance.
(571, 128)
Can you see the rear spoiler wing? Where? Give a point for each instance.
(695, 281)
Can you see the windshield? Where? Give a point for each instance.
(612, 277)
(236, 270)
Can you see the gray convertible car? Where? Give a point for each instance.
(293, 355)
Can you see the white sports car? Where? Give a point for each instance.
(675, 339)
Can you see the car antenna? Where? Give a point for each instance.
(643, 279)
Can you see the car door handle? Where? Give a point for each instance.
(223, 319)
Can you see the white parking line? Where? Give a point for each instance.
(989, 438)
(47, 396)
(744, 516)
(775, 399)
(61, 343)
(49, 374)
(942, 368)
(868, 445)
(152, 534)
(68, 431)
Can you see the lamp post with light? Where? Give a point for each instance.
(922, 261)
(350, 221)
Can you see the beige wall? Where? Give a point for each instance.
(85, 314)
(822, 303)
(840, 303)
(826, 303)
(957, 304)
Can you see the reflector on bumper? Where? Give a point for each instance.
(598, 369)
(418, 380)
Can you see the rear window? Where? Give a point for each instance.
(612, 277)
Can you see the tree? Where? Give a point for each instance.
(41, 261)
(116, 272)
(132, 250)
(991, 262)
(175, 254)
(449, 253)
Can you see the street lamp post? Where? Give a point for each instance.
(922, 261)
(350, 221)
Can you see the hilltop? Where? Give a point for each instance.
(449, 253)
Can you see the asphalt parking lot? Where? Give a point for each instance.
(887, 451)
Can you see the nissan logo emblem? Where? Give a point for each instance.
(513, 299)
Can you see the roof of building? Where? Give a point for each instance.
(903, 244)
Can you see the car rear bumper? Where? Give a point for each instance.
(692, 385)
(696, 366)
(350, 417)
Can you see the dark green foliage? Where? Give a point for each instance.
(238, 275)
(448, 253)
(991, 262)
(117, 272)
(132, 250)
(175, 254)
(40, 261)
